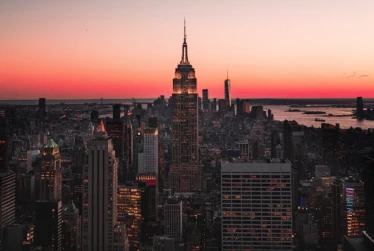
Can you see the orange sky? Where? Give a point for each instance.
(125, 49)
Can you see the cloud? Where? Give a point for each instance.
(362, 76)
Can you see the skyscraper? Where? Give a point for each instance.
(173, 219)
(206, 103)
(150, 151)
(70, 215)
(228, 89)
(48, 223)
(360, 108)
(256, 205)
(7, 199)
(100, 194)
(184, 172)
(51, 174)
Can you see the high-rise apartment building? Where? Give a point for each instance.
(256, 200)
(150, 151)
(100, 194)
(48, 223)
(51, 173)
(228, 90)
(184, 174)
(173, 221)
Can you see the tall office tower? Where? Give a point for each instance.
(149, 206)
(48, 223)
(184, 174)
(70, 215)
(128, 149)
(3, 153)
(7, 199)
(214, 105)
(206, 103)
(117, 112)
(116, 131)
(100, 194)
(256, 201)
(173, 221)
(150, 151)
(368, 178)
(228, 89)
(354, 211)
(130, 212)
(287, 140)
(51, 173)
(360, 108)
(42, 109)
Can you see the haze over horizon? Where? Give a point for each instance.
(124, 49)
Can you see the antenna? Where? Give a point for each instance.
(185, 35)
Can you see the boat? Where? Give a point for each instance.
(320, 120)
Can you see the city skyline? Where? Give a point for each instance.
(89, 50)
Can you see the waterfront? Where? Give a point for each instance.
(280, 113)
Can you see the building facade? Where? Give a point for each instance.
(256, 205)
(51, 173)
(184, 175)
(150, 150)
(100, 194)
(173, 226)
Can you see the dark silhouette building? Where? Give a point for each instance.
(360, 108)
(42, 109)
(48, 224)
(3, 153)
(117, 112)
(206, 102)
(152, 122)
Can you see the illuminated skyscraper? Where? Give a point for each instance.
(150, 151)
(100, 194)
(228, 89)
(184, 172)
(51, 173)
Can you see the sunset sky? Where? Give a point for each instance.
(130, 48)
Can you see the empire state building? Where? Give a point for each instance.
(184, 175)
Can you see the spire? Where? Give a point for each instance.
(185, 35)
(227, 74)
(184, 59)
